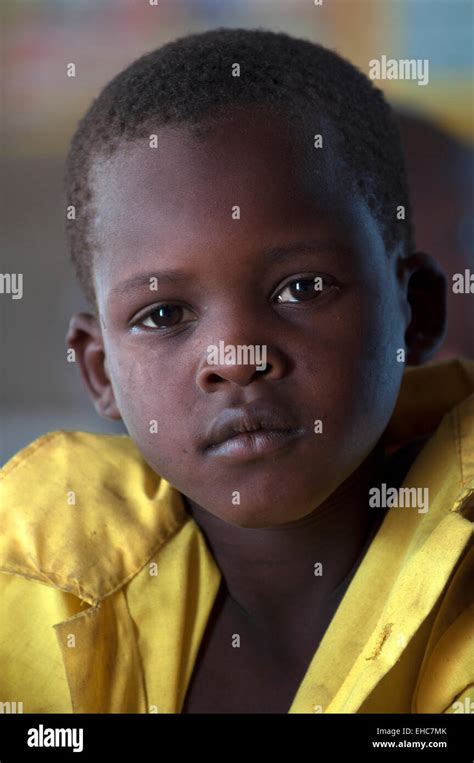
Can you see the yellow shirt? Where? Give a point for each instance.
(108, 584)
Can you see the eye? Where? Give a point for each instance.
(164, 317)
(305, 289)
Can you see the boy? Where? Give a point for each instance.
(288, 526)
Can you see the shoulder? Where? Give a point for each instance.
(83, 512)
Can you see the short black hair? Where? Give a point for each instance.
(187, 81)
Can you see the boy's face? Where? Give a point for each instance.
(331, 345)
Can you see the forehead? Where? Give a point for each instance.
(184, 192)
(178, 164)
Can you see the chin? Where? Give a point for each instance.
(264, 516)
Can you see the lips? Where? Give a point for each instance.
(250, 418)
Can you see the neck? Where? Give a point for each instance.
(272, 569)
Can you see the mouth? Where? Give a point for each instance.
(250, 432)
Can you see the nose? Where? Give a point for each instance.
(239, 364)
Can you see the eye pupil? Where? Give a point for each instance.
(303, 287)
(163, 315)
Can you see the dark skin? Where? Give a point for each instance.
(331, 356)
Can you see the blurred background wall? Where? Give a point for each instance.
(41, 391)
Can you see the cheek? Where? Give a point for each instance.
(352, 370)
(151, 402)
(374, 367)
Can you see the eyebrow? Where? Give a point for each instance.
(270, 254)
(143, 279)
(314, 246)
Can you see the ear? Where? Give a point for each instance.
(426, 296)
(84, 336)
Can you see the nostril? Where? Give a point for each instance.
(214, 378)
